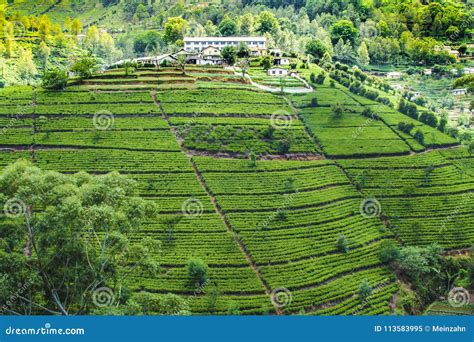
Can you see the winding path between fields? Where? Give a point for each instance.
(307, 89)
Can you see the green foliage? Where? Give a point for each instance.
(408, 108)
(88, 226)
(470, 148)
(85, 66)
(342, 244)
(316, 49)
(337, 110)
(417, 261)
(405, 128)
(147, 42)
(174, 29)
(365, 290)
(197, 272)
(253, 159)
(389, 252)
(212, 298)
(54, 79)
(284, 145)
(243, 51)
(363, 55)
(229, 53)
(466, 81)
(429, 118)
(345, 30)
(442, 124)
(227, 27)
(233, 309)
(419, 136)
(153, 304)
(267, 23)
(266, 62)
(409, 301)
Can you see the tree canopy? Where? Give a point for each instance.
(67, 236)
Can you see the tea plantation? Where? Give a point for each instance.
(260, 186)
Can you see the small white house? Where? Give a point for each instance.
(279, 72)
(281, 61)
(394, 75)
(211, 51)
(398, 87)
(459, 92)
(428, 72)
(454, 53)
(468, 71)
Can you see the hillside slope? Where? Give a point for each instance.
(267, 226)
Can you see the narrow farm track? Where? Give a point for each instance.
(234, 155)
(306, 128)
(218, 210)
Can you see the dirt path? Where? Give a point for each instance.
(307, 89)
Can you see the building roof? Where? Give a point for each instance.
(277, 69)
(210, 47)
(152, 58)
(225, 39)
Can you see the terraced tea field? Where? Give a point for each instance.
(258, 185)
(427, 197)
(352, 134)
(235, 121)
